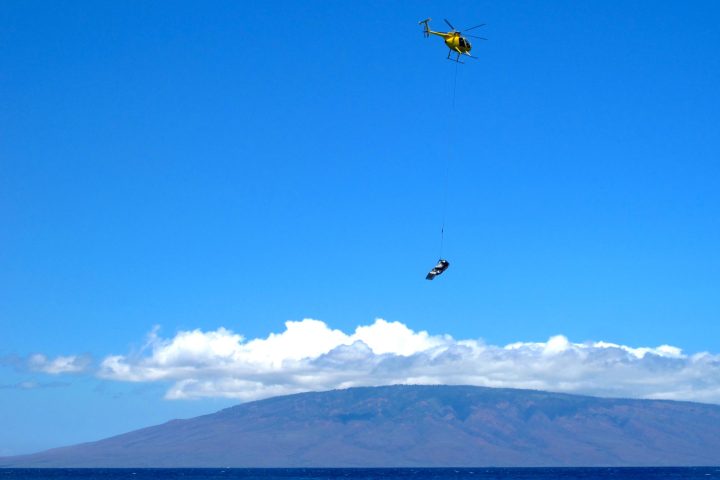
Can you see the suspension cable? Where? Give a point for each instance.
(446, 174)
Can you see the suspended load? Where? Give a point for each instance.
(441, 266)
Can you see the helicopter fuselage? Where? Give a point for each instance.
(454, 41)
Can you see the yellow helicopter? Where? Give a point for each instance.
(455, 40)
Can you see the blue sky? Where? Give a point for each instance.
(241, 165)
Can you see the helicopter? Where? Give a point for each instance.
(455, 40)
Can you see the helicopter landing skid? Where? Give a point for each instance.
(455, 59)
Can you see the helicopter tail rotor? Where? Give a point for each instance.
(426, 28)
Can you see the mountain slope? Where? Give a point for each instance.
(415, 426)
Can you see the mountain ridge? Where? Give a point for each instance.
(414, 426)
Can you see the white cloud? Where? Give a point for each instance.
(309, 355)
(61, 364)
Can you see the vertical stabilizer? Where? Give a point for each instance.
(426, 28)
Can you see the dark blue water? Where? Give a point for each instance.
(360, 473)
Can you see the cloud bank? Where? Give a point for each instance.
(309, 355)
(58, 365)
(40, 363)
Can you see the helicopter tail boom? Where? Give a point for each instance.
(427, 32)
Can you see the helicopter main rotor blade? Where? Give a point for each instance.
(476, 26)
(450, 24)
(475, 36)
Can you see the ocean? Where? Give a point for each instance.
(663, 473)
